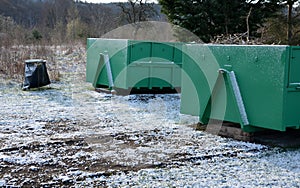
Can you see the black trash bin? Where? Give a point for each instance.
(36, 74)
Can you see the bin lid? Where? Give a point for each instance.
(35, 61)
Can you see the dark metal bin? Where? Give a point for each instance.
(36, 74)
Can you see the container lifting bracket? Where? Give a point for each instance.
(235, 90)
(104, 60)
(108, 70)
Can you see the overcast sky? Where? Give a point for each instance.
(109, 1)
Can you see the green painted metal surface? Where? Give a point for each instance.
(268, 78)
(134, 64)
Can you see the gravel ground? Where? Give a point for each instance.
(68, 135)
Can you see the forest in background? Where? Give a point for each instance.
(63, 21)
(216, 21)
(249, 21)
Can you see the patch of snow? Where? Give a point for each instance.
(2, 182)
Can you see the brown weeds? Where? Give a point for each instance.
(12, 59)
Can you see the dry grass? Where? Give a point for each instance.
(12, 59)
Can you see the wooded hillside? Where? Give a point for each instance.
(58, 21)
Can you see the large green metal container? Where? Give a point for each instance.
(256, 86)
(133, 64)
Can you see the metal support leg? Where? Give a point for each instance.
(237, 95)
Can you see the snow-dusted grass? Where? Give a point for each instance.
(69, 135)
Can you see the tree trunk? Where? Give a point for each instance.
(247, 22)
(289, 21)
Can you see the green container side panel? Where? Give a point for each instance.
(294, 75)
(219, 105)
(135, 64)
(198, 78)
(260, 72)
(163, 52)
(156, 82)
(114, 48)
(150, 75)
(151, 64)
(177, 57)
(140, 51)
(102, 80)
(90, 41)
(261, 82)
(119, 68)
(138, 76)
(291, 111)
(147, 51)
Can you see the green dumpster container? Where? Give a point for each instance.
(256, 86)
(129, 64)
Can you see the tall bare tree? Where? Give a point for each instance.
(100, 19)
(137, 10)
(290, 20)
